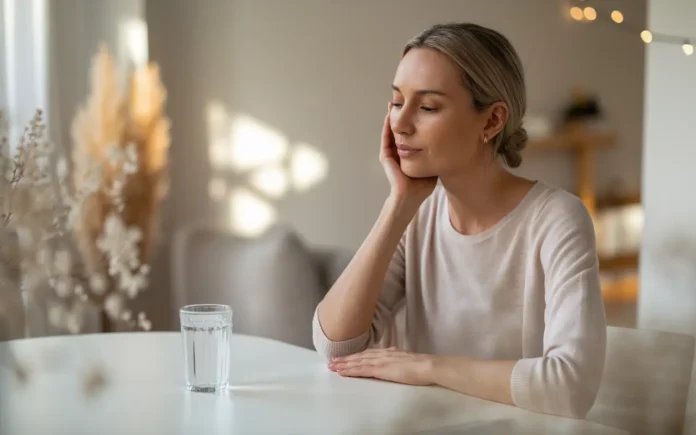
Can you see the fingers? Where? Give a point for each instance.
(369, 353)
(387, 136)
(368, 358)
(359, 372)
(355, 363)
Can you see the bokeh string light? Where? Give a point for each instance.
(582, 11)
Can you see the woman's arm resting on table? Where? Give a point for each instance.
(564, 379)
(488, 380)
(547, 385)
(485, 379)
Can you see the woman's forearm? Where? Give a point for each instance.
(484, 379)
(347, 309)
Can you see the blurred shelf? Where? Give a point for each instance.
(618, 262)
(574, 139)
(612, 201)
(583, 142)
(621, 290)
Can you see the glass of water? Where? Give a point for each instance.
(207, 333)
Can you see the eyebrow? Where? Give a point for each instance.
(422, 91)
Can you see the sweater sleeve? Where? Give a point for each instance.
(392, 293)
(565, 379)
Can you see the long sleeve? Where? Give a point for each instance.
(565, 379)
(391, 295)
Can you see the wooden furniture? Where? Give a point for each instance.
(275, 388)
(584, 144)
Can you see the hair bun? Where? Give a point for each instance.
(511, 147)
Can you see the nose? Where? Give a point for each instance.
(401, 121)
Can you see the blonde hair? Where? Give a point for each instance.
(491, 71)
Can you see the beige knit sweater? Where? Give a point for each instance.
(527, 289)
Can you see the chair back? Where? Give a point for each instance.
(646, 381)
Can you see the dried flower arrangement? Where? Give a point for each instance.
(85, 225)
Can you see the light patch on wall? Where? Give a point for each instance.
(272, 181)
(308, 167)
(133, 41)
(219, 149)
(217, 188)
(268, 161)
(255, 145)
(242, 143)
(249, 215)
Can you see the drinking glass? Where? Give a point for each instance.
(207, 333)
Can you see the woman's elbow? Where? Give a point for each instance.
(557, 386)
(575, 400)
(329, 349)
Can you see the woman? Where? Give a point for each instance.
(496, 276)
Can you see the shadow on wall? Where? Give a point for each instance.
(253, 165)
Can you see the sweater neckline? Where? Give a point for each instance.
(477, 237)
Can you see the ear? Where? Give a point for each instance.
(496, 117)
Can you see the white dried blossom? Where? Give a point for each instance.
(79, 290)
(143, 322)
(120, 244)
(62, 262)
(126, 315)
(98, 284)
(115, 194)
(57, 315)
(73, 322)
(43, 257)
(130, 165)
(62, 169)
(62, 288)
(113, 305)
(114, 154)
(133, 283)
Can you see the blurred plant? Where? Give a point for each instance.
(86, 224)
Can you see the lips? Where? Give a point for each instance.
(406, 151)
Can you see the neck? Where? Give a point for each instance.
(480, 197)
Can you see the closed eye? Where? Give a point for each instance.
(423, 108)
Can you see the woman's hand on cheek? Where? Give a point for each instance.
(391, 364)
(405, 190)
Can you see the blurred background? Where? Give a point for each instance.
(276, 109)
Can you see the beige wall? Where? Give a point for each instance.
(76, 29)
(318, 72)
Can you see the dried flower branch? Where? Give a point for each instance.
(86, 224)
(127, 135)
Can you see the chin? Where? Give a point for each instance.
(415, 170)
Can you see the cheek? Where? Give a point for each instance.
(449, 136)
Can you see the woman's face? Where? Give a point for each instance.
(437, 129)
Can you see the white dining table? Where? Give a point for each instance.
(137, 387)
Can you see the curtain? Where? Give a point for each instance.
(24, 62)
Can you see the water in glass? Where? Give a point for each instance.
(206, 331)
